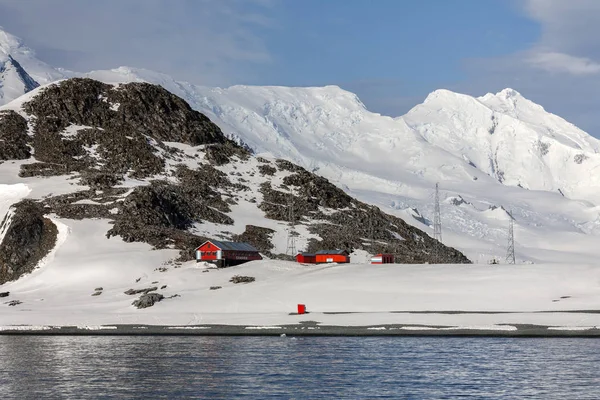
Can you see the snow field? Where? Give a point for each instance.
(351, 295)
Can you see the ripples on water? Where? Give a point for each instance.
(41, 367)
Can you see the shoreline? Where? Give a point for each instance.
(307, 328)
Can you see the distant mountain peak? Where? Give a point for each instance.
(511, 102)
(20, 70)
(28, 82)
(14, 80)
(8, 42)
(508, 92)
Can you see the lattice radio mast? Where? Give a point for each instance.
(291, 238)
(510, 251)
(437, 223)
(371, 231)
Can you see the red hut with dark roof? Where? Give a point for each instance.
(226, 254)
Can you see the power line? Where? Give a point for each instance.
(291, 238)
(437, 224)
(510, 251)
(371, 231)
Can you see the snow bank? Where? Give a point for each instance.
(9, 195)
(479, 297)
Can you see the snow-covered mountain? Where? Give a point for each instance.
(501, 154)
(20, 70)
(495, 157)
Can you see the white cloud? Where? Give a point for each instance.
(560, 70)
(556, 62)
(570, 28)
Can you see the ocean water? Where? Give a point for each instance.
(148, 367)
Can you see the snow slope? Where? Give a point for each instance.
(61, 292)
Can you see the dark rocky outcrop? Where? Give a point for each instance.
(28, 239)
(222, 153)
(138, 291)
(317, 190)
(286, 165)
(127, 125)
(257, 236)
(147, 300)
(98, 204)
(242, 279)
(14, 141)
(132, 108)
(267, 170)
(202, 184)
(4, 294)
(99, 180)
(43, 169)
(355, 226)
(160, 213)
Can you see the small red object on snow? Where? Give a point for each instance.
(301, 309)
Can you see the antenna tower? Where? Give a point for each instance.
(291, 238)
(437, 224)
(510, 252)
(371, 231)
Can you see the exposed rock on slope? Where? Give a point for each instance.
(13, 137)
(162, 173)
(125, 127)
(28, 239)
(133, 108)
(160, 214)
(354, 225)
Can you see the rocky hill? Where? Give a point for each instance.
(164, 174)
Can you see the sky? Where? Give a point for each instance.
(391, 53)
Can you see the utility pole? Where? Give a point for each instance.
(437, 224)
(510, 251)
(371, 231)
(291, 238)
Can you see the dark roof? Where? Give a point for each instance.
(332, 252)
(307, 254)
(233, 246)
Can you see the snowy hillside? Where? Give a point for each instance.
(163, 174)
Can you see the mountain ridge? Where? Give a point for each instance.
(495, 150)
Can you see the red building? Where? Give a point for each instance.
(306, 258)
(383, 259)
(226, 254)
(332, 256)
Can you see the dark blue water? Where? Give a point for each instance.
(38, 367)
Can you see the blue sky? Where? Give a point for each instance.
(390, 50)
(418, 42)
(392, 53)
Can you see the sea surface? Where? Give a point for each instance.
(148, 367)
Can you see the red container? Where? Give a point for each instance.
(301, 309)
